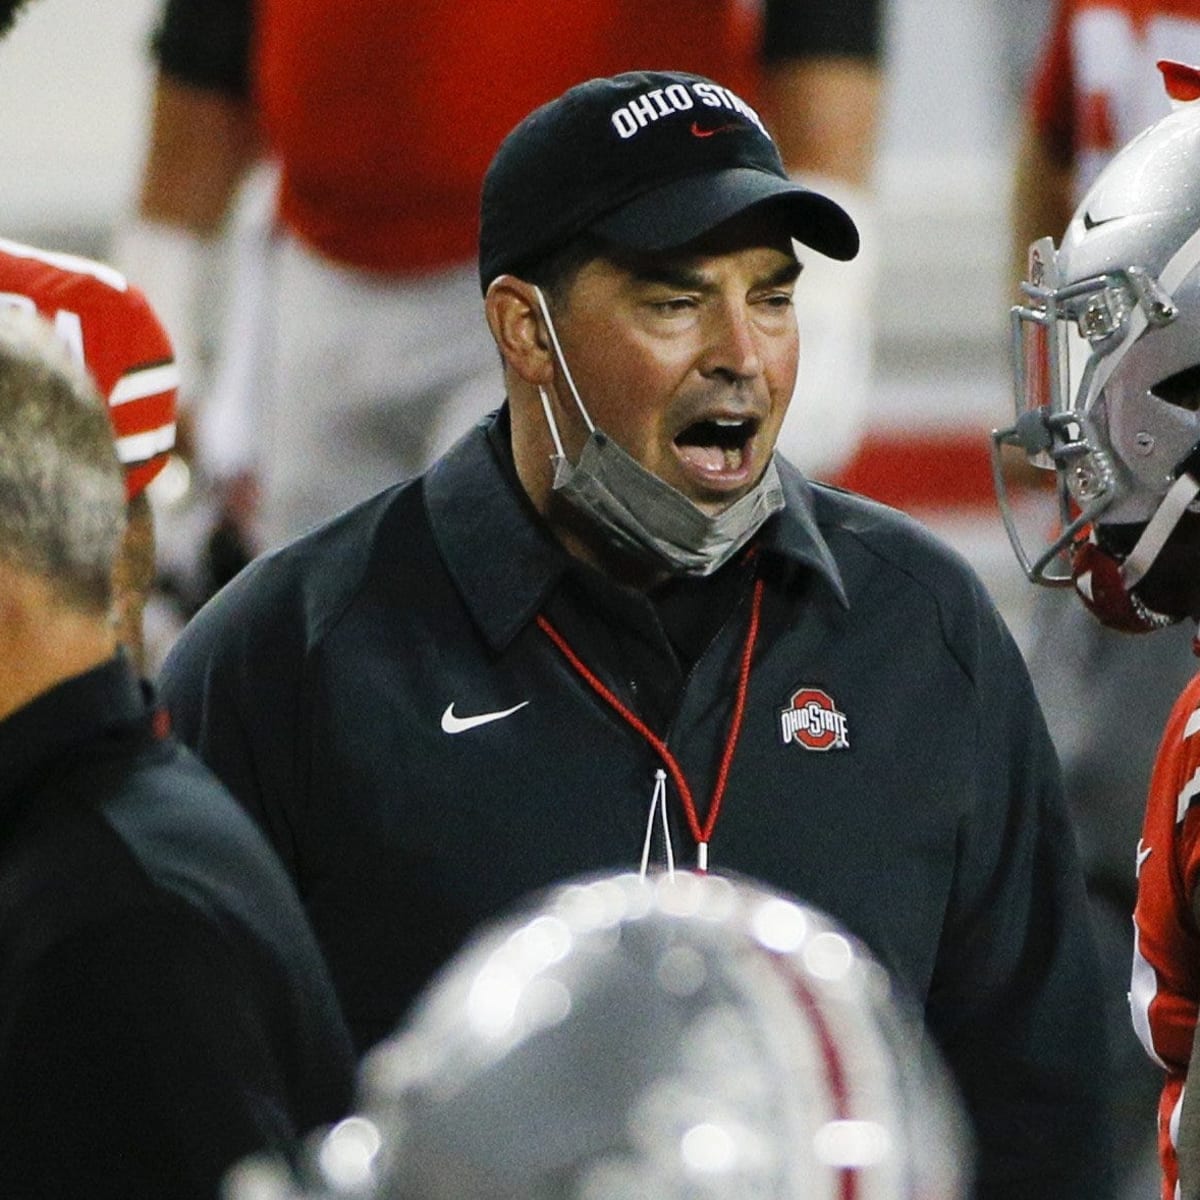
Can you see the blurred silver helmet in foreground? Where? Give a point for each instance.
(694, 1038)
(1107, 369)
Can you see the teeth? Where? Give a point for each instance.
(728, 423)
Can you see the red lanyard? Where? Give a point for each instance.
(701, 833)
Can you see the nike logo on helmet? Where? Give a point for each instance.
(451, 723)
(698, 131)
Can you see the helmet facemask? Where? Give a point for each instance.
(1068, 343)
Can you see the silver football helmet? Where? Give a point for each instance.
(1107, 371)
(680, 1038)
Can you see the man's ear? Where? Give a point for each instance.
(515, 319)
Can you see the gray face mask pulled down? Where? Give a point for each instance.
(642, 515)
(645, 517)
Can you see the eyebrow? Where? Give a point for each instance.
(680, 275)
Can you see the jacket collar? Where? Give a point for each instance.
(506, 563)
(72, 714)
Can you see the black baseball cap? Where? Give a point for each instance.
(648, 160)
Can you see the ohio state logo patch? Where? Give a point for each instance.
(812, 720)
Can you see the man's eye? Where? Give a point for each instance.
(778, 300)
(674, 304)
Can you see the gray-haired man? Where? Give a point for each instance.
(163, 1008)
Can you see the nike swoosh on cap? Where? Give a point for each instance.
(451, 723)
(699, 131)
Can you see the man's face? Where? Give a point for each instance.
(687, 360)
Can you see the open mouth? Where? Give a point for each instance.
(719, 446)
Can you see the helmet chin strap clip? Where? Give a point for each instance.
(1158, 306)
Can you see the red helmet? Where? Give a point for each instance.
(111, 330)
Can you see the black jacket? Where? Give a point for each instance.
(163, 1006)
(317, 686)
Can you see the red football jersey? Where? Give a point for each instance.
(387, 114)
(1166, 967)
(1097, 84)
(112, 331)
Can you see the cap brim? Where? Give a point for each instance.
(685, 209)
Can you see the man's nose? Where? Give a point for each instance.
(733, 347)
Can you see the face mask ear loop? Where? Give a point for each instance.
(558, 446)
(562, 362)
